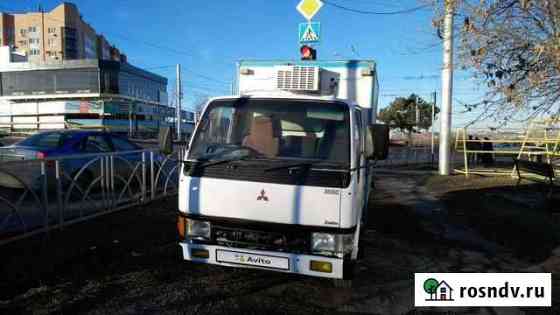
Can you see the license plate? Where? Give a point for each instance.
(241, 258)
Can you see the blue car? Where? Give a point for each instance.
(65, 143)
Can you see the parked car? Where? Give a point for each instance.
(83, 144)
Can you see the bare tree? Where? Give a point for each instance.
(513, 49)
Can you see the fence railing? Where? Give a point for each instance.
(409, 155)
(37, 196)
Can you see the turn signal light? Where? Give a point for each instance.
(199, 253)
(320, 266)
(181, 226)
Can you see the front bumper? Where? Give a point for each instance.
(298, 264)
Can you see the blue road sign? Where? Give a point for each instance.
(309, 32)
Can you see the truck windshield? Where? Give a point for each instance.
(274, 129)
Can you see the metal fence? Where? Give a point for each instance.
(37, 196)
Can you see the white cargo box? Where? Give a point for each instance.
(352, 80)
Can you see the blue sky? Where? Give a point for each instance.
(208, 37)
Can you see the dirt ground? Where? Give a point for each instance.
(128, 262)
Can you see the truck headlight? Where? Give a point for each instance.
(198, 229)
(323, 242)
(338, 244)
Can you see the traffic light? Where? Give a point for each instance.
(308, 53)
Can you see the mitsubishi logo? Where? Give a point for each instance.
(262, 196)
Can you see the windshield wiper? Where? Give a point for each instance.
(307, 165)
(296, 165)
(206, 164)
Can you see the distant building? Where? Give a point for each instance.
(56, 72)
(103, 48)
(55, 36)
(83, 94)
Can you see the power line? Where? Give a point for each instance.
(204, 87)
(190, 72)
(210, 78)
(405, 11)
(127, 38)
(158, 46)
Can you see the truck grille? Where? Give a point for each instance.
(260, 240)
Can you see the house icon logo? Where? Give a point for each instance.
(438, 290)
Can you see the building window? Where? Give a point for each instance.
(52, 30)
(34, 52)
(23, 32)
(9, 31)
(32, 29)
(33, 41)
(51, 42)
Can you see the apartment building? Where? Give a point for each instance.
(51, 37)
(56, 72)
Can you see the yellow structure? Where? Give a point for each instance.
(540, 141)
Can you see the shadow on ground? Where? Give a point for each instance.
(523, 219)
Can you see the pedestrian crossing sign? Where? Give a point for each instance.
(309, 32)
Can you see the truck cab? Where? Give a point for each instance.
(277, 180)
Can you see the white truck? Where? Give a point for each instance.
(277, 177)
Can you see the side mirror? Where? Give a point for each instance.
(379, 134)
(166, 140)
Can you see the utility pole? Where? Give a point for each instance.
(434, 100)
(178, 103)
(446, 90)
(43, 52)
(417, 112)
